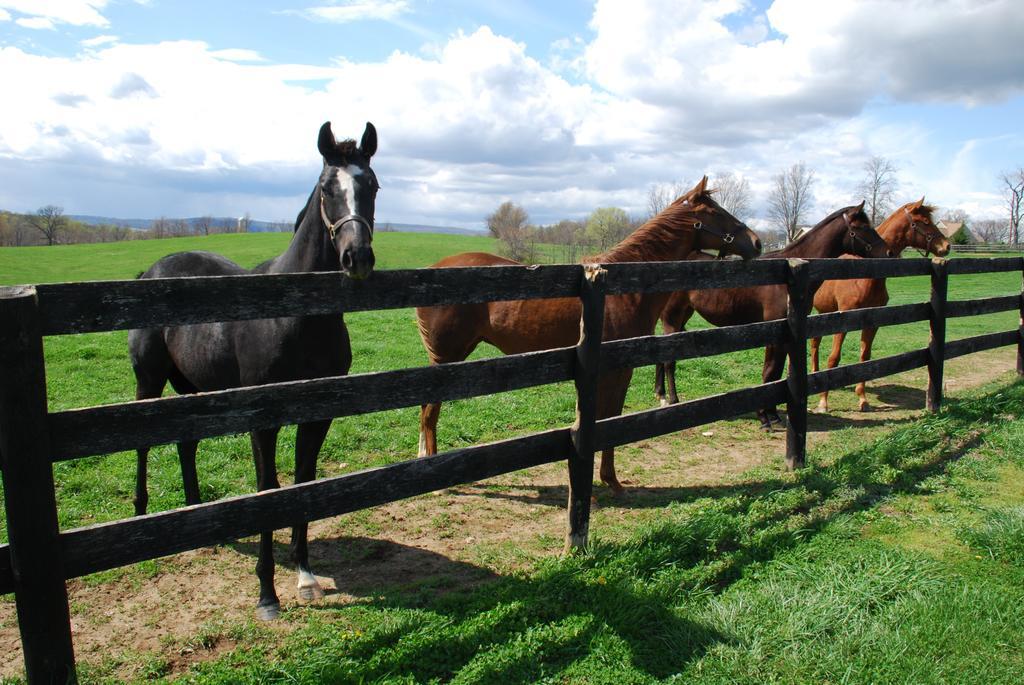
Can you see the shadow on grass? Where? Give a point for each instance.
(435, 618)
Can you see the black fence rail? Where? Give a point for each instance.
(39, 558)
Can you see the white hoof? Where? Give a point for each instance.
(821, 409)
(309, 588)
(664, 402)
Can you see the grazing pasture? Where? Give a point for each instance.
(716, 565)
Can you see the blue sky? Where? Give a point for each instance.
(157, 108)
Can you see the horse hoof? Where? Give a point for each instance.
(663, 401)
(268, 612)
(820, 409)
(865, 407)
(309, 588)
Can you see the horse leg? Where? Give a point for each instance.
(774, 363)
(867, 338)
(189, 477)
(833, 361)
(611, 396)
(264, 452)
(308, 440)
(151, 364)
(823, 399)
(429, 413)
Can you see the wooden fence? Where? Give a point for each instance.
(40, 558)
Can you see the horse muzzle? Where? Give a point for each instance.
(357, 262)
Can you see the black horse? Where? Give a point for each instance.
(333, 232)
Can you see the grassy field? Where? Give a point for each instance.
(898, 546)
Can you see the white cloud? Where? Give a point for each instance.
(41, 23)
(357, 10)
(672, 93)
(99, 40)
(5, 15)
(238, 55)
(52, 12)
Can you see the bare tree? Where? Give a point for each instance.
(733, 193)
(878, 188)
(203, 225)
(507, 217)
(661, 195)
(50, 221)
(790, 198)
(991, 231)
(1014, 194)
(509, 224)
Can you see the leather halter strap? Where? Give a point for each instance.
(928, 238)
(333, 226)
(853, 234)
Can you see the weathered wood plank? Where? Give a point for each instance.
(987, 265)
(588, 359)
(651, 277)
(840, 269)
(980, 343)
(6, 573)
(112, 428)
(798, 305)
(29, 500)
(937, 340)
(652, 349)
(109, 545)
(870, 317)
(841, 376)
(113, 305)
(622, 430)
(985, 305)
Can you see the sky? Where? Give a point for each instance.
(149, 108)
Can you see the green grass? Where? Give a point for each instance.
(813, 577)
(896, 559)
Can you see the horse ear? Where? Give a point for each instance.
(919, 203)
(860, 207)
(368, 145)
(702, 186)
(325, 142)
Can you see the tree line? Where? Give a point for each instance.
(50, 226)
(790, 199)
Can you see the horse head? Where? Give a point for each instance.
(716, 228)
(860, 239)
(921, 232)
(348, 189)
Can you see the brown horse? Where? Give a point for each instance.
(846, 230)
(450, 334)
(909, 226)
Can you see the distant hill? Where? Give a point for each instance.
(257, 226)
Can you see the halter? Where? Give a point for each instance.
(853, 234)
(927, 236)
(332, 227)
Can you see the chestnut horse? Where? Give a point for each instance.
(846, 230)
(693, 221)
(909, 226)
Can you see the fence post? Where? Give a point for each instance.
(937, 342)
(796, 382)
(588, 353)
(1020, 332)
(30, 501)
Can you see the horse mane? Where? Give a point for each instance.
(805, 236)
(656, 236)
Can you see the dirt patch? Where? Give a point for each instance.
(188, 608)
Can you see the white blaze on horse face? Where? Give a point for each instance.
(346, 178)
